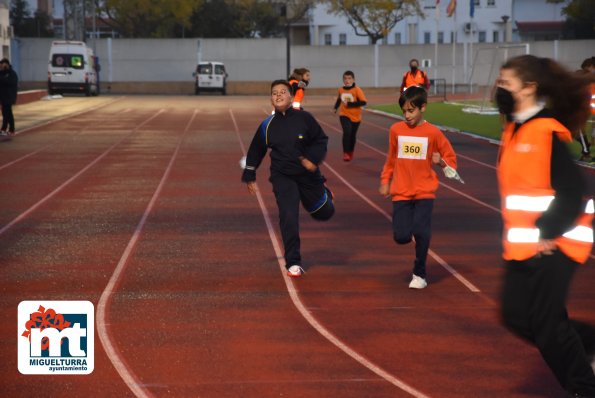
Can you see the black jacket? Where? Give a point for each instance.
(290, 135)
(8, 86)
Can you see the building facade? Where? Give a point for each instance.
(5, 30)
(479, 21)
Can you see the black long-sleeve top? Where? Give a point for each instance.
(291, 135)
(569, 186)
(354, 104)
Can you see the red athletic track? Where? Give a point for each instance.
(137, 206)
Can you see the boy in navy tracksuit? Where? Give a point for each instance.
(297, 145)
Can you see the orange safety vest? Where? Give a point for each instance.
(298, 96)
(592, 98)
(419, 79)
(526, 192)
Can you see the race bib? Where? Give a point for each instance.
(347, 97)
(412, 147)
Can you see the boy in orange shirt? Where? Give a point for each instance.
(414, 146)
(350, 100)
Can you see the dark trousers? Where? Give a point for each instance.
(534, 307)
(413, 218)
(349, 133)
(309, 189)
(7, 117)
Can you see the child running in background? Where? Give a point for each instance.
(350, 101)
(299, 80)
(414, 146)
(298, 145)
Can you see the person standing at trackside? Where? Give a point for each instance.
(298, 145)
(8, 96)
(547, 220)
(414, 77)
(588, 67)
(350, 101)
(299, 80)
(407, 176)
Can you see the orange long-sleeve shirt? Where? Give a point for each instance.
(408, 167)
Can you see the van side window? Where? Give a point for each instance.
(68, 61)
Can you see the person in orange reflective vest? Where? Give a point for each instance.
(547, 217)
(414, 77)
(588, 67)
(299, 80)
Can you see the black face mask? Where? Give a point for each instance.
(505, 101)
(413, 69)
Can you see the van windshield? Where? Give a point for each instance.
(68, 61)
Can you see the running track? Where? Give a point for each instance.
(135, 204)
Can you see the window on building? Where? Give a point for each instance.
(427, 37)
(328, 39)
(491, 3)
(452, 37)
(397, 38)
(496, 36)
(476, 2)
(481, 36)
(440, 37)
(342, 39)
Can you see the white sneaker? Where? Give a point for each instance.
(417, 282)
(295, 271)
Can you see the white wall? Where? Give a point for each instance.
(249, 60)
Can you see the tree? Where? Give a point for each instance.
(580, 22)
(25, 25)
(19, 16)
(146, 18)
(374, 18)
(246, 18)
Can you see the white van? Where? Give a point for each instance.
(72, 68)
(210, 76)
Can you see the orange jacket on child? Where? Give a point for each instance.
(408, 166)
(351, 95)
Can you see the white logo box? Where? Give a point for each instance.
(52, 322)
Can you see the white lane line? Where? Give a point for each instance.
(127, 375)
(384, 128)
(374, 149)
(293, 294)
(433, 254)
(71, 179)
(471, 198)
(82, 112)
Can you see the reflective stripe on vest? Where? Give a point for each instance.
(528, 203)
(583, 232)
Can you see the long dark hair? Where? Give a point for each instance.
(567, 94)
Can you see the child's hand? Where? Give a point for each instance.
(436, 158)
(308, 165)
(252, 187)
(384, 190)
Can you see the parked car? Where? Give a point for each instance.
(210, 76)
